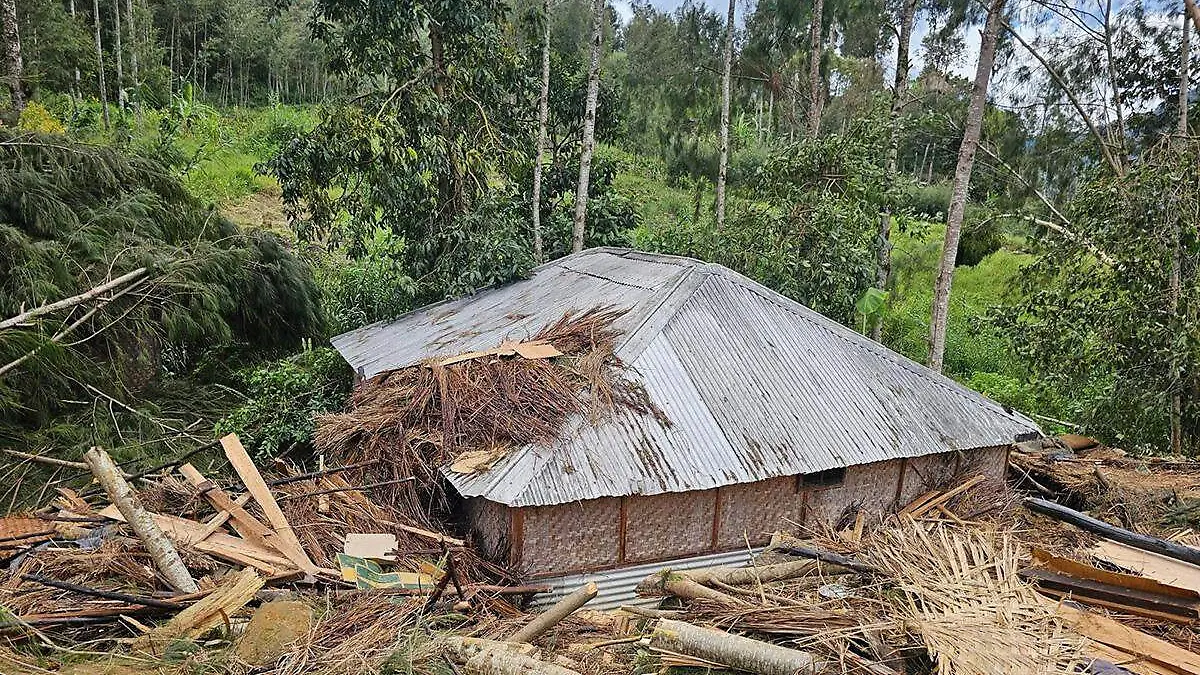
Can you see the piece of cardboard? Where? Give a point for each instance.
(371, 546)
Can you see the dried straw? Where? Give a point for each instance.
(962, 596)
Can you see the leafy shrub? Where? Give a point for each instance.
(371, 287)
(284, 398)
(928, 201)
(36, 118)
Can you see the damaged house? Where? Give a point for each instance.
(775, 412)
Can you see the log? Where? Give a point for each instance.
(234, 592)
(734, 651)
(744, 576)
(1099, 527)
(829, 558)
(559, 611)
(509, 662)
(680, 585)
(162, 551)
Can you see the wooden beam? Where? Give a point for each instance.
(900, 483)
(716, 523)
(516, 526)
(258, 489)
(622, 523)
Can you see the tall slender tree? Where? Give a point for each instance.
(962, 180)
(816, 85)
(100, 61)
(133, 56)
(12, 53)
(118, 54)
(543, 121)
(883, 267)
(589, 128)
(1176, 281)
(725, 95)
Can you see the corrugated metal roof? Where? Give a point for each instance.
(756, 385)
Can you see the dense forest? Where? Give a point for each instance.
(196, 194)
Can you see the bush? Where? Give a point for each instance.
(284, 398)
(927, 201)
(372, 287)
(36, 118)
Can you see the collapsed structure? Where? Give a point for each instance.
(770, 413)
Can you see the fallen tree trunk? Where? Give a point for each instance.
(509, 662)
(1095, 526)
(160, 548)
(681, 585)
(742, 576)
(559, 611)
(734, 651)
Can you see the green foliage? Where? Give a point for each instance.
(37, 119)
(810, 231)
(610, 215)
(283, 399)
(72, 216)
(359, 290)
(1109, 332)
(927, 201)
(425, 158)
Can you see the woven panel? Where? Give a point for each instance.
(931, 472)
(489, 522)
(670, 525)
(867, 487)
(752, 511)
(571, 537)
(991, 462)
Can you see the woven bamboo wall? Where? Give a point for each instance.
(586, 536)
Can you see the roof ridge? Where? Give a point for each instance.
(861, 341)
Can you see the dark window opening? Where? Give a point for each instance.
(827, 478)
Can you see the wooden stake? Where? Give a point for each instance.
(161, 550)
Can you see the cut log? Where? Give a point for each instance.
(1134, 539)
(215, 609)
(461, 648)
(734, 651)
(557, 612)
(509, 662)
(162, 551)
(258, 489)
(680, 585)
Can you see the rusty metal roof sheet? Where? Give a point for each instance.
(755, 384)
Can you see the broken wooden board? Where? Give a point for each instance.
(257, 487)
(1150, 565)
(1132, 582)
(1153, 605)
(1137, 665)
(20, 531)
(536, 349)
(1115, 634)
(243, 523)
(190, 533)
(215, 609)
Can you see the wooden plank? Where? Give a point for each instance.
(1151, 565)
(244, 524)
(1083, 571)
(1115, 634)
(947, 496)
(1135, 664)
(188, 533)
(234, 592)
(918, 502)
(1068, 596)
(1085, 589)
(258, 489)
(217, 521)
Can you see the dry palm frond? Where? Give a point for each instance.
(414, 420)
(962, 596)
(356, 636)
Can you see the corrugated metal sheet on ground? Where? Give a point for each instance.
(755, 385)
(615, 587)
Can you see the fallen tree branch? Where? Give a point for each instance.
(828, 557)
(72, 301)
(96, 592)
(735, 651)
(1108, 531)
